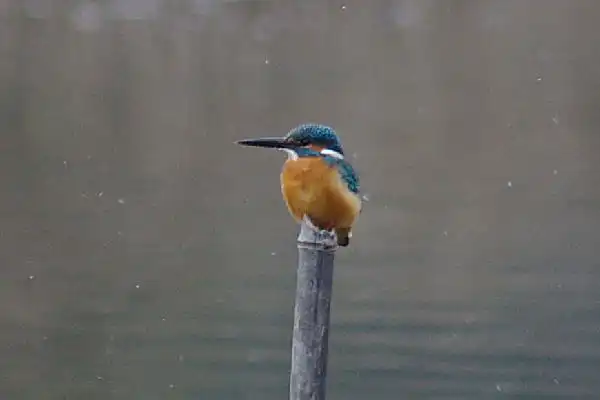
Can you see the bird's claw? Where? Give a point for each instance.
(328, 238)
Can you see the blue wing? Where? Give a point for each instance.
(345, 169)
(349, 175)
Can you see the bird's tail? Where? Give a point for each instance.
(343, 236)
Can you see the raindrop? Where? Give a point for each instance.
(65, 163)
(365, 197)
(273, 253)
(267, 61)
(498, 388)
(539, 79)
(171, 386)
(137, 286)
(445, 233)
(100, 378)
(555, 172)
(509, 184)
(556, 381)
(31, 277)
(343, 7)
(100, 194)
(555, 120)
(121, 201)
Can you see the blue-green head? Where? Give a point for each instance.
(299, 142)
(302, 136)
(317, 135)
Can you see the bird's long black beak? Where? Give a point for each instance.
(272, 143)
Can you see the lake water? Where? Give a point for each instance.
(144, 256)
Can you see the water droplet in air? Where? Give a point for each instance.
(121, 201)
(171, 386)
(343, 7)
(100, 194)
(273, 253)
(137, 286)
(31, 277)
(555, 172)
(555, 120)
(539, 79)
(509, 184)
(267, 61)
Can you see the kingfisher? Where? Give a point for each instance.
(318, 184)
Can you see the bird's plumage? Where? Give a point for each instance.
(317, 182)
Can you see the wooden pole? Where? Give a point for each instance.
(316, 253)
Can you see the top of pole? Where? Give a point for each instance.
(312, 238)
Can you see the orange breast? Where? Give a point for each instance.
(311, 187)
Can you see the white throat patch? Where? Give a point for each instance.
(291, 154)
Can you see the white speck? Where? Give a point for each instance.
(267, 61)
(137, 286)
(119, 233)
(100, 378)
(65, 163)
(555, 120)
(445, 233)
(163, 319)
(509, 184)
(556, 381)
(539, 79)
(31, 277)
(365, 197)
(343, 7)
(498, 388)
(180, 358)
(121, 201)
(100, 194)
(85, 196)
(273, 254)
(171, 386)
(555, 172)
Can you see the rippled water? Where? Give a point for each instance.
(144, 256)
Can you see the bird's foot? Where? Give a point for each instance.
(318, 235)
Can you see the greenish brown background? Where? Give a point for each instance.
(144, 256)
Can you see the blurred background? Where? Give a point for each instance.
(145, 256)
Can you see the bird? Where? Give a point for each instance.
(318, 184)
